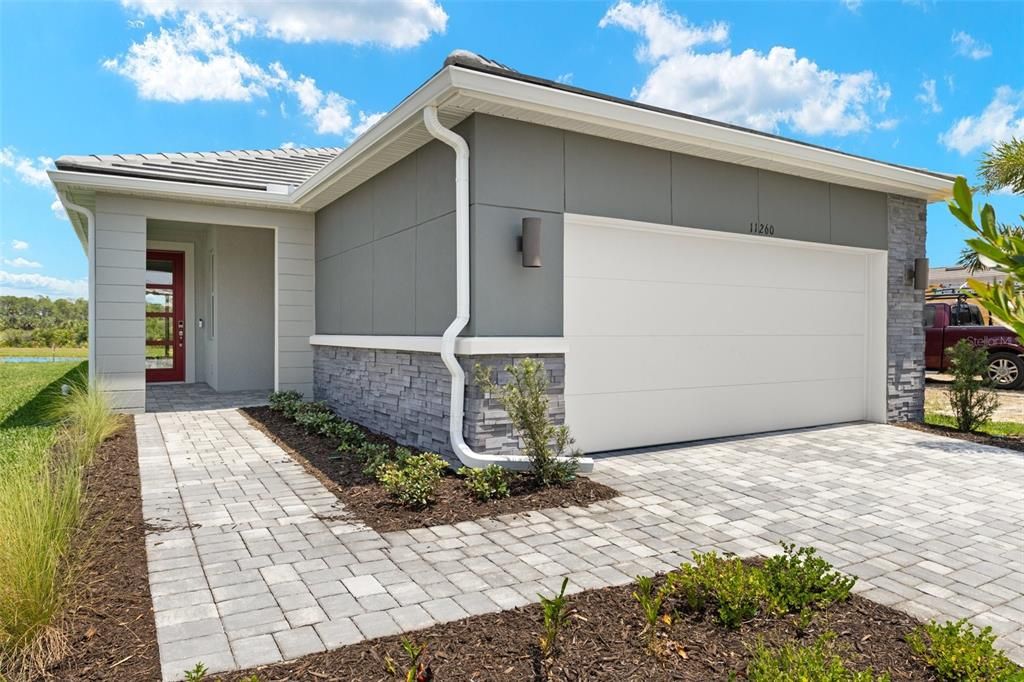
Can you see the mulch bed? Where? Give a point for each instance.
(1009, 442)
(112, 635)
(603, 640)
(367, 500)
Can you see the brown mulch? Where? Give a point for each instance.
(112, 635)
(604, 640)
(365, 498)
(1009, 442)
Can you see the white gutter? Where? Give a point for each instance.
(90, 249)
(466, 455)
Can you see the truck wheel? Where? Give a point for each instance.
(1006, 370)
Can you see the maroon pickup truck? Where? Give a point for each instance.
(947, 323)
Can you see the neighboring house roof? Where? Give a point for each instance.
(309, 179)
(267, 169)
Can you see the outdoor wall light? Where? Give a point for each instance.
(529, 243)
(919, 274)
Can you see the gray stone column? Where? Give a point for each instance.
(905, 342)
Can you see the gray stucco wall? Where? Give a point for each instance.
(406, 396)
(385, 252)
(244, 308)
(906, 338)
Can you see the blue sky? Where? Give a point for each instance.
(923, 83)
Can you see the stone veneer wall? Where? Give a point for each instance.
(905, 342)
(406, 394)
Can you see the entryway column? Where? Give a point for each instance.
(295, 304)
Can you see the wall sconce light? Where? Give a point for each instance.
(529, 243)
(919, 274)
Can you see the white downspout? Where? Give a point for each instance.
(90, 250)
(466, 455)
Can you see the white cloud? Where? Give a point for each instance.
(751, 88)
(367, 121)
(30, 171)
(19, 245)
(888, 124)
(565, 78)
(20, 262)
(392, 23)
(33, 284)
(289, 145)
(58, 209)
(928, 97)
(852, 5)
(199, 60)
(1002, 119)
(968, 46)
(193, 61)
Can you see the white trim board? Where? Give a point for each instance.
(473, 345)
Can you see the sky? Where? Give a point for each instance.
(923, 83)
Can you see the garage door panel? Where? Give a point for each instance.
(639, 255)
(691, 414)
(637, 363)
(611, 307)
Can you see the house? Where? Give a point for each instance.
(681, 278)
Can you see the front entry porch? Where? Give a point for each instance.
(198, 397)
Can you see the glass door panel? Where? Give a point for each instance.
(165, 316)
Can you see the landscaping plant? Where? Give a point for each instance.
(959, 653)
(315, 417)
(555, 615)
(417, 670)
(737, 589)
(650, 601)
(286, 402)
(350, 435)
(549, 448)
(87, 417)
(817, 662)
(489, 483)
(414, 481)
(970, 397)
(196, 673)
(375, 455)
(798, 579)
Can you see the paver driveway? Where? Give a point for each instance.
(257, 561)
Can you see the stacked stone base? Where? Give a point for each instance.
(905, 380)
(406, 395)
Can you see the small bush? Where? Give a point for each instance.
(970, 395)
(525, 399)
(488, 483)
(555, 615)
(351, 436)
(801, 663)
(736, 588)
(375, 455)
(799, 579)
(315, 418)
(414, 481)
(286, 402)
(650, 601)
(958, 653)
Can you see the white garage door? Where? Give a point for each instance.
(677, 334)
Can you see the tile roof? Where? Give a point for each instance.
(270, 170)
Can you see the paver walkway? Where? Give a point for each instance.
(258, 562)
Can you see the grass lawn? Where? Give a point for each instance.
(1012, 429)
(44, 352)
(25, 393)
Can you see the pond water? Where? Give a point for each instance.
(39, 358)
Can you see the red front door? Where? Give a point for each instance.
(165, 316)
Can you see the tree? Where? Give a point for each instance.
(969, 259)
(996, 248)
(1003, 166)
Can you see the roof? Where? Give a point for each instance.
(268, 170)
(308, 179)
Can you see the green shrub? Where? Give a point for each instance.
(488, 483)
(375, 455)
(414, 481)
(351, 435)
(650, 601)
(87, 418)
(970, 395)
(799, 579)
(817, 662)
(286, 402)
(525, 398)
(958, 653)
(736, 589)
(315, 418)
(555, 614)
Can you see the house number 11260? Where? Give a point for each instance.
(766, 229)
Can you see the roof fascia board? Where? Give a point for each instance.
(167, 189)
(531, 96)
(407, 114)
